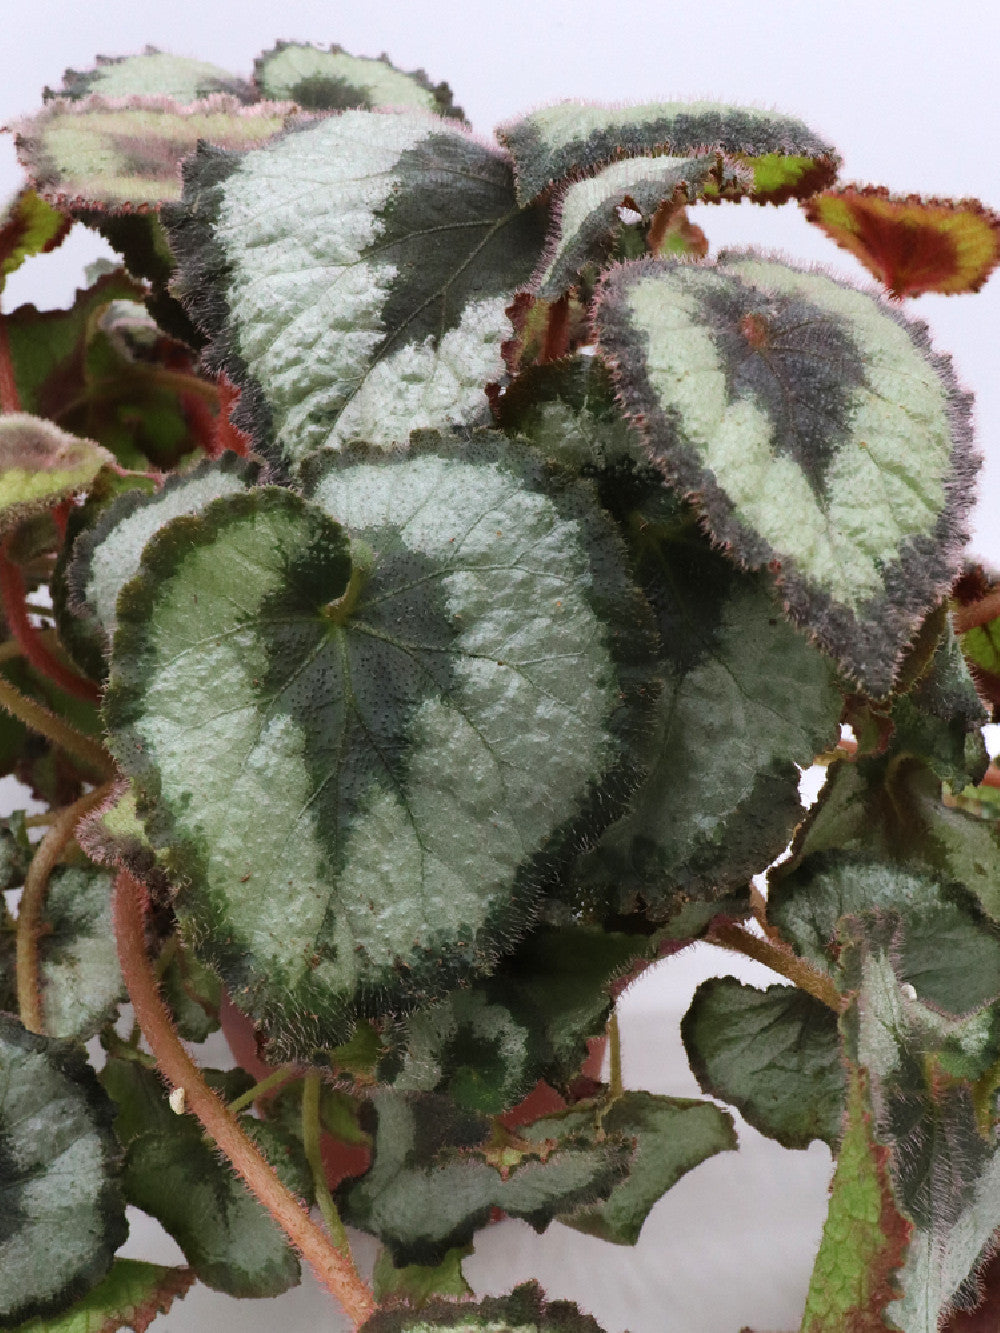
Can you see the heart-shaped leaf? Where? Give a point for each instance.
(772, 1054)
(432, 709)
(814, 429)
(330, 79)
(573, 139)
(61, 1214)
(389, 247)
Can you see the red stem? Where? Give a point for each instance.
(557, 331)
(226, 434)
(15, 612)
(335, 1270)
(981, 612)
(10, 399)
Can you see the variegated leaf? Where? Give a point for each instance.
(124, 154)
(62, 1217)
(354, 277)
(436, 705)
(29, 226)
(586, 213)
(813, 427)
(525, 1310)
(107, 555)
(330, 79)
(153, 73)
(572, 139)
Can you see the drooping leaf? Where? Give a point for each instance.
(416, 1284)
(864, 1237)
(773, 1054)
(814, 429)
(586, 213)
(444, 711)
(525, 1310)
(389, 247)
(124, 154)
(40, 465)
(61, 1214)
(108, 555)
(131, 1296)
(433, 1180)
(330, 79)
(672, 1136)
(79, 978)
(153, 73)
(912, 245)
(30, 226)
(572, 139)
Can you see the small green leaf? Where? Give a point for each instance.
(390, 246)
(864, 1238)
(102, 153)
(131, 1296)
(672, 1136)
(79, 977)
(29, 226)
(586, 213)
(525, 1310)
(815, 431)
(230, 1240)
(495, 636)
(152, 74)
(416, 1284)
(573, 139)
(329, 79)
(61, 1214)
(41, 464)
(772, 1054)
(434, 1181)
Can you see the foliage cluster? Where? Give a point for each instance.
(424, 573)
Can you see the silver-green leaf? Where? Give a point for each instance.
(815, 430)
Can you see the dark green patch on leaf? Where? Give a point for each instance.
(330, 79)
(525, 1310)
(773, 1054)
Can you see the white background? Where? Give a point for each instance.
(907, 89)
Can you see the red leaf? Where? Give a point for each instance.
(912, 245)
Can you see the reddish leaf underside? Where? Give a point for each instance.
(912, 245)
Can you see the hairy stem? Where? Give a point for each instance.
(10, 399)
(334, 1269)
(778, 957)
(615, 1085)
(46, 723)
(35, 649)
(311, 1130)
(261, 1089)
(964, 618)
(29, 914)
